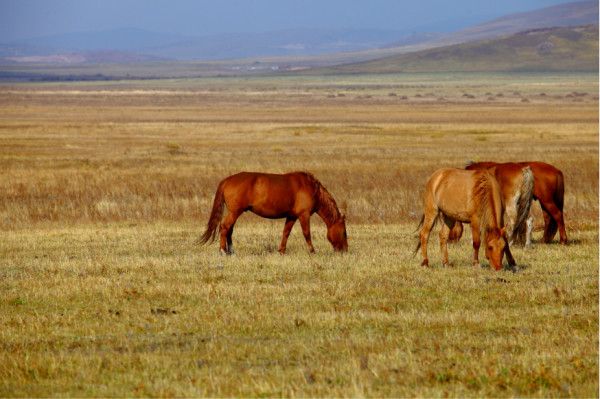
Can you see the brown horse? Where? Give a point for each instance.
(457, 195)
(293, 196)
(548, 189)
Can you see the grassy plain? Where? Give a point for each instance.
(105, 187)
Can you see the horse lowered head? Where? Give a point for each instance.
(495, 246)
(336, 234)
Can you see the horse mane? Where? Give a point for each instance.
(490, 211)
(326, 205)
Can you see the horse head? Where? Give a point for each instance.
(336, 234)
(495, 246)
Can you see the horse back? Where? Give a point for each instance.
(548, 181)
(452, 190)
(268, 194)
(509, 174)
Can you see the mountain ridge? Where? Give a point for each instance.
(541, 49)
(332, 45)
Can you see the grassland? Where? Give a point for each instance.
(105, 187)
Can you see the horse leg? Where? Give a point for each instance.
(510, 218)
(476, 242)
(229, 240)
(428, 222)
(305, 224)
(445, 230)
(556, 220)
(509, 257)
(456, 232)
(549, 226)
(561, 227)
(529, 230)
(227, 231)
(287, 228)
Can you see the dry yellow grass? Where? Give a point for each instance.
(105, 187)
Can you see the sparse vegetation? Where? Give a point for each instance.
(106, 187)
(551, 49)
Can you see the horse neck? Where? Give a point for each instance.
(327, 208)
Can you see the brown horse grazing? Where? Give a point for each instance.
(291, 196)
(457, 195)
(516, 183)
(548, 189)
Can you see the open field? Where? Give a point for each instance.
(105, 187)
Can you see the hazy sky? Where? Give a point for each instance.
(31, 18)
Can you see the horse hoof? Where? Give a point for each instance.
(476, 265)
(425, 263)
(223, 252)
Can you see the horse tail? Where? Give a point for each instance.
(215, 216)
(417, 229)
(523, 204)
(420, 223)
(420, 226)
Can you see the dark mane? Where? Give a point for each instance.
(326, 207)
(483, 191)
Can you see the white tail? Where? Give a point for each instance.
(523, 202)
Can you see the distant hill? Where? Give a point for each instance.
(292, 42)
(546, 44)
(312, 47)
(569, 14)
(547, 49)
(123, 40)
(563, 15)
(88, 57)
